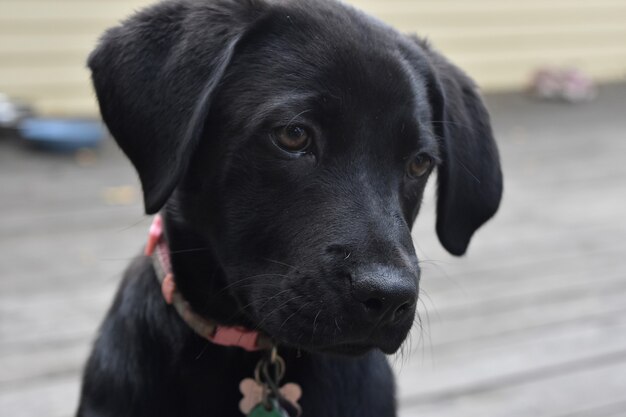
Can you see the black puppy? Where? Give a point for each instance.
(287, 145)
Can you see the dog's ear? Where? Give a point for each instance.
(155, 76)
(469, 176)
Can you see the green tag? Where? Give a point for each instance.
(261, 411)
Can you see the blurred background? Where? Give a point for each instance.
(532, 322)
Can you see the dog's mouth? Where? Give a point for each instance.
(332, 322)
(347, 338)
(359, 345)
(348, 349)
(387, 346)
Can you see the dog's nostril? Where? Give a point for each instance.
(373, 304)
(401, 311)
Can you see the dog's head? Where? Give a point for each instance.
(292, 141)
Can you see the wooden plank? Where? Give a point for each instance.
(56, 397)
(572, 393)
(23, 368)
(469, 371)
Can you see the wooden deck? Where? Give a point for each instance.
(531, 323)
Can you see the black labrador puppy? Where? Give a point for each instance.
(286, 145)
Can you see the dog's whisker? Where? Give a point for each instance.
(380, 319)
(433, 262)
(298, 115)
(245, 280)
(432, 304)
(199, 249)
(278, 308)
(280, 263)
(451, 123)
(258, 284)
(420, 338)
(134, 224)
(240, 284)
(337, 325)
(204, 349)
(298, 344)
(315, 324)
(272, 297)
(426, 330)
(294, 313)
(243, 309)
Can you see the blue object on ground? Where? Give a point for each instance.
(62, 134)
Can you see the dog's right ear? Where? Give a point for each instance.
(155, 76)
(469, 175)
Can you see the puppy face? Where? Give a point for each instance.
(319, 183)
(295, 142)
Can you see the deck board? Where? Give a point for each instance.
(532, 322)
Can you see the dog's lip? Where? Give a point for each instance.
(356, 348)
(347, 348)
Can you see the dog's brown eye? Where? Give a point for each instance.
(419, 166)
(293, 138)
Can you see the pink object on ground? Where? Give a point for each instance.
(567, 84)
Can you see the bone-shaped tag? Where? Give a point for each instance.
(253, 394)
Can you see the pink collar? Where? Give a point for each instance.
(158, 249)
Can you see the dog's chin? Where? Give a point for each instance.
(357, 349)
(291, 331)
(348, 348)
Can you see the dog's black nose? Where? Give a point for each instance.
(387, 293)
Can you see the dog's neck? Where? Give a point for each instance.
(158, 250)
(199, 277)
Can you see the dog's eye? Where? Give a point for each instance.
(419, 166)
(292, 138)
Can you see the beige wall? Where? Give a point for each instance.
(44, 43)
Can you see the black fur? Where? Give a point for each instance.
(312, 248)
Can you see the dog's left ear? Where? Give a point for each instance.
(469, 176)
(155, 76)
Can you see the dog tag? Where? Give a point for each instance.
(254, 395)
(263, 396)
